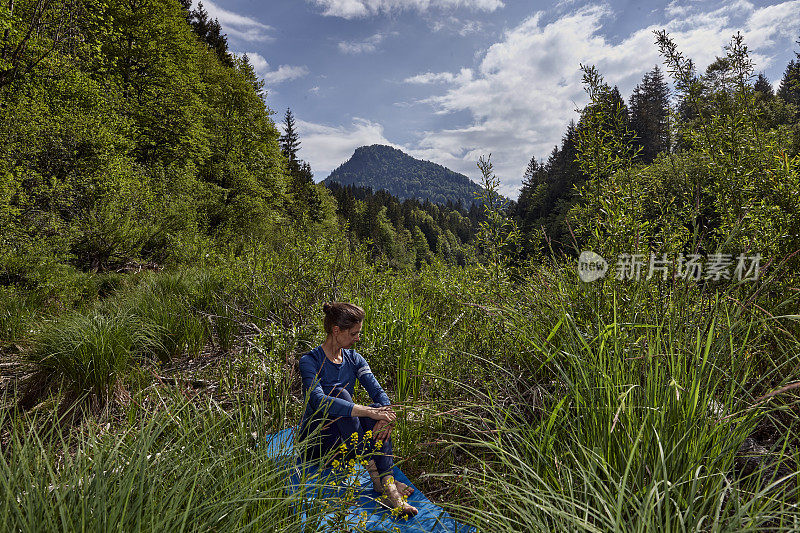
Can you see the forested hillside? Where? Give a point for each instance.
(685, 171)
(130, 133)
(385, 168)
(409, 233)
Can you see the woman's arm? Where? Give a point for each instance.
(385, 417)
(384, 413)
(321, 402)
(333, 405)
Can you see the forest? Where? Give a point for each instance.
(165, 253)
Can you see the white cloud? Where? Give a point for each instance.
(772, 23)
(362, 8)
(327, 147)
(274, 77)
(527, 86)
(368, 45)
(441, 77)
(676, 9)
(472, 26)
(258, 62)
(455, 25)
(285, 73)
(238, 26)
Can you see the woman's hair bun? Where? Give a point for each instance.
(342, 314)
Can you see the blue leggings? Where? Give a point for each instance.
(340, 430)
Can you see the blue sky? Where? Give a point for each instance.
(450, 80)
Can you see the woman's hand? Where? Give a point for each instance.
(382, 430)
(385, 417)
(385, 413)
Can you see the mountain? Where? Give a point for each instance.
(383, 167)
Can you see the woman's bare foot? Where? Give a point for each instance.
(377, 484)
(402, 488)
(396, 501)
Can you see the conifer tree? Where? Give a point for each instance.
(789, 89)
(649, 115)
(290, 141)
(547, 193)
(763, 86)
(210, 32)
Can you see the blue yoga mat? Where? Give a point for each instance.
(321, 485)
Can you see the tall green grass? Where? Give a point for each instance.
(88, 355)
(628, 414)
(182, 467)
(166, 301)
(544, 404)
(397, 342)
(17, 313)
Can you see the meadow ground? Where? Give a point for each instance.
(528, 400)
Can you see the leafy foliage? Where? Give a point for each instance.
(135, 136)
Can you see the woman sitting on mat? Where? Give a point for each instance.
(331, 417)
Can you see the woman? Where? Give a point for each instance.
(329, 374)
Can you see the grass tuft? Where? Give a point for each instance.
(87, 356)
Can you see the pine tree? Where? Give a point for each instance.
(763, 86)
(649, 115)
(246, 68)
(532, 171)
(789, 89)
(290, 141)
(547, 194)
(210, 32)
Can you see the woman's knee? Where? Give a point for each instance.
(342, 393)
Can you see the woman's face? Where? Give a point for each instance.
(346, 338)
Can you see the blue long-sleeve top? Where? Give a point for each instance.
(320, 376)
